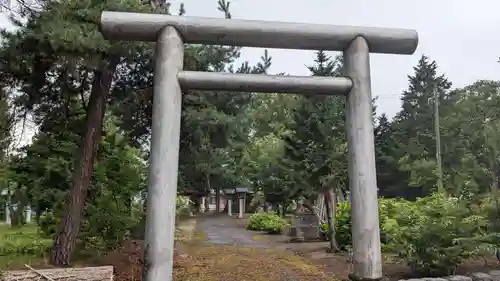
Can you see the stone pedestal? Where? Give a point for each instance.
(305, 227)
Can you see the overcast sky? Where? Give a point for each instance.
(461, 35)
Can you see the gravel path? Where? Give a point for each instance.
(223, 230)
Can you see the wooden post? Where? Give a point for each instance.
(28, 214)
(7, 210)
(241, 206)
(202, 204)
(217, 200)
(244, 203)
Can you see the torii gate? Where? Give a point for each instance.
(171, 33)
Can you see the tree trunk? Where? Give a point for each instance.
(16, 216)
(38, 212)
(207, 203)
(16, 209)
(330, 214)
(284, 208)
(64, 241)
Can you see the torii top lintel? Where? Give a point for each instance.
(251, 33)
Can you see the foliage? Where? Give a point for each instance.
(182, 206)
(342, 225)
(48, 223)
(436, 234)
(315, 150)
(268, 222)
(23, 241)
(388, 208)
(433, 235)
(406, 152)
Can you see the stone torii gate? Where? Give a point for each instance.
(171, 33)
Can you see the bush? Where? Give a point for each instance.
(437, 233)
(257, 220)
(432, 235)
(387, 210)
(48, 224)
(23, 241)
(35, 247)
(108, 222)
(343, 225)
(182, 206)
(268, 222)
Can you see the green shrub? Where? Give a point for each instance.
(432, 235)
(137, 230)
(388, 208)
(182, 205)
(23, 241)
(343, 225)
(275, 225)
(324, 228)
(489, 207)
(437, 233)
(35, 247)
(107, 223)
(256, 221)
(268, 222)
(48, 223)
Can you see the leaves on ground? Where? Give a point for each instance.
(198, 261)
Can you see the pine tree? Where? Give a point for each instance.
(317, 129)
(414, 132)
(59, 55)
(386, 163)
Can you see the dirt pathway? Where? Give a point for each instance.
(230, 252)
(222, 230)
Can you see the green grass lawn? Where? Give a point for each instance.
(22, 245)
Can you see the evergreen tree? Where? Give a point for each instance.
(317, 130)
(59, 57)
(386, 164)
(414, 132)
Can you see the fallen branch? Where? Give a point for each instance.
(39, 273)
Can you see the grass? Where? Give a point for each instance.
(22, 245)
(25, 245)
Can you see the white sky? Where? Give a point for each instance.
(461, 35)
